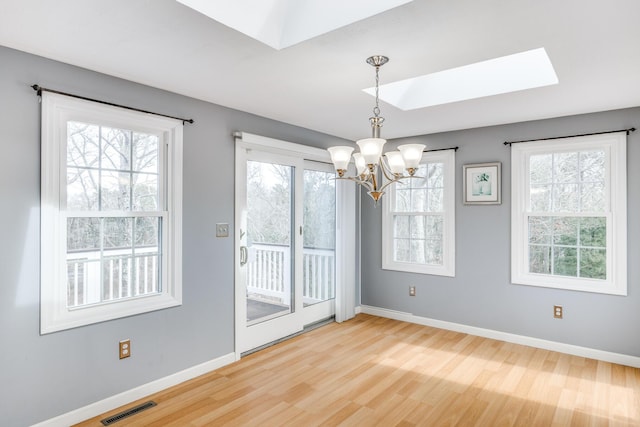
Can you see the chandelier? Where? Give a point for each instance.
(372, 171)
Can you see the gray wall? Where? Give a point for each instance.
(481, 293)
(44, 376)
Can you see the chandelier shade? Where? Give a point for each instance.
(372, 171)
(371, 149)
(396, 162)
(340, 156)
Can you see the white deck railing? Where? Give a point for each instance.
(269, 273)
(125, 275)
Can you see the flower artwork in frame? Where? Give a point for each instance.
(482, 184)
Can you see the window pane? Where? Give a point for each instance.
(539, 259)
(593, 232)
(593, 263)
(565, 231)
(144, 274)
(145, 152)
(83, 148)
(418, 251)
(401, 226)
(401, 252)
(147, 232)
(436, 200)
(403, 199)
(82, 189)
(540, 229)
(80, 274)
(419, 200)
(417, 227)
(592, 167)
(540, 169)
(116, 149)
(592, 197)
(83, 234)
(433, 253)
(565, 167)
(434, 226)
(540, 196)
(117, 234)
(145, 192)
(435, 176)
(116, 272)
(116, 191)
(565, 198)
(565, 261)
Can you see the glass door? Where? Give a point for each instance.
(319, 242)
(286, 269)
(269, 231)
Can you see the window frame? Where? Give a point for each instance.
(615, 213)
(447, 158)
(57, 110)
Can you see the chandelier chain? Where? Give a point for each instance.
(376, 109)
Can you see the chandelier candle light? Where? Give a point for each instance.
(372, 171)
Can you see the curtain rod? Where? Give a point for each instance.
(441, 149)
(39, 90)
(628, 131)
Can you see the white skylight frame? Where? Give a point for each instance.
(284, 23)
(511, 73)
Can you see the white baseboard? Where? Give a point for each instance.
(128, 396)
(591, 353)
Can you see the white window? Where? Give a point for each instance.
(418, 229)
(569, 213)
(111, 209)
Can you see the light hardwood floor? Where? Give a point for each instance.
(374, 371)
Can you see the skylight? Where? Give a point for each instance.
(283, 23)
(520, 71)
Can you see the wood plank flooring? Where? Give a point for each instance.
(372, 371)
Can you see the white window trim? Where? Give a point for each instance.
(616, 213)
(54, 314)
(448, 233)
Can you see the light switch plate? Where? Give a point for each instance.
(222, 230)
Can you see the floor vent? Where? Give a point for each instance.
(129, 412)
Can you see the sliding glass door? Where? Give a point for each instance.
(286, 260)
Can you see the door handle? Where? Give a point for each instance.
(244, 255)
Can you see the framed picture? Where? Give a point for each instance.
(481, 184)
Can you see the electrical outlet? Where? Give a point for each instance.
(412, 291)
(557, 311)
(125, 348)
(222, 230)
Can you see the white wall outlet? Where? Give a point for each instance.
(412, 291)
(124, 348)
(557, 311)
(222, 230)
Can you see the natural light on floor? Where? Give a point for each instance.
(595, 396)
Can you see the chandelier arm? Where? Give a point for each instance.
(386, 171)
(358, 180)
(388, 183)
(374, 181)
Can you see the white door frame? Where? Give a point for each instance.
(345, 238)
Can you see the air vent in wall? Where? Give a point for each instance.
(129, 412)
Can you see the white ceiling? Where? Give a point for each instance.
(594, 46)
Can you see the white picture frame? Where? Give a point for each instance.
(482, 183)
